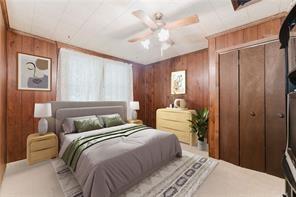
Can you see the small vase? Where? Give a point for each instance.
(202, 145)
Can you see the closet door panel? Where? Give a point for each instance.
(292, 60)
(252, 117)
(229, 114)
(275, 102)
(292, 55)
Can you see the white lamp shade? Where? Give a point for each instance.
(134, 105)
(42, 110)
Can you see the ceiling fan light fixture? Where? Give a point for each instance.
(164, 46)
(157, 26)
(146, 44)
(163, 35)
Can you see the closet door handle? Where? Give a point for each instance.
(281, 115)
(253, 114)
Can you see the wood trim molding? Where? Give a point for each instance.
(31, 35)
(248, 44)
(75, 48)
(213, 135)
(252, 44)
(3, 90)
(90, 52)
(4, 12)
(4, 169)
(263, 20)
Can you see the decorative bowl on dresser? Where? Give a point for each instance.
(41, 147)
(176, 121)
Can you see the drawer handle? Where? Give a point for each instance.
(253, 114)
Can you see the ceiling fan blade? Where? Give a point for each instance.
(182, 22)
(141, 36)
(145, 19)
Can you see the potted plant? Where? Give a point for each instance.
(199, 125)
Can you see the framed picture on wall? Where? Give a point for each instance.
(34, 72)
(178, 82)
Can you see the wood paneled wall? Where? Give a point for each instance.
(20, 120)
(139, 88)
(20, 104)
(3, 80)
(158, 83)
(244, 36)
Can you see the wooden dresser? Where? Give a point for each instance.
(176, 121)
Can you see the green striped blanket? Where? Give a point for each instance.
(75, 149)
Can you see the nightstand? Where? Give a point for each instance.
(41, 147)
(135, 121)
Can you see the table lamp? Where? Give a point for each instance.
(134, 105)
(42, 111)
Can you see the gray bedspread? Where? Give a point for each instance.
(111, 167)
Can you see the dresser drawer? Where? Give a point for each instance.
(177, 122)
(43, 154)
(43, 144)
(177, 116)
(180, 126)
(182, 136)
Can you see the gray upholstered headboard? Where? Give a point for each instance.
(65, 109)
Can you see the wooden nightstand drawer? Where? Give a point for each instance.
(43, 144)
(43, 155)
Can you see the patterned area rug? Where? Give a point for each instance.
(68, 182)
(180, 178)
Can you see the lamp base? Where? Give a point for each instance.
(42, 126)
(134, 115)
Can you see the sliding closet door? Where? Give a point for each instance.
(275, 107)
(229, 113)
(252, 118)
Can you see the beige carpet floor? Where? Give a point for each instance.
(227, 180)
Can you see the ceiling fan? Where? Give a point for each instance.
(157, 25)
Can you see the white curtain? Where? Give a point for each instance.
(117, 80)
(79, 77)
(83, 77)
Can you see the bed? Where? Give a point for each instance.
(113, 165)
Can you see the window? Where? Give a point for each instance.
(118, 81)
(83, 77)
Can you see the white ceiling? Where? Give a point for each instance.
(106, 25)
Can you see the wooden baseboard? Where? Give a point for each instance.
(2, 171)
(263, 20)
(3, 7)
